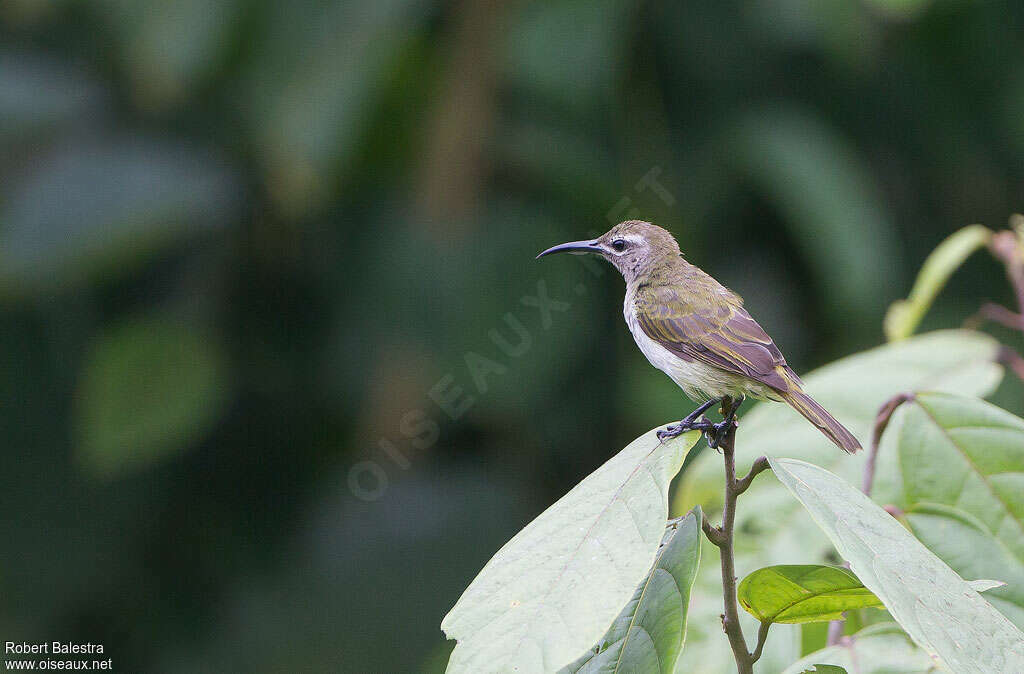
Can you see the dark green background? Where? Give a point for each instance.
(242, 240)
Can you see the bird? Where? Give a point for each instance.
(698, 332)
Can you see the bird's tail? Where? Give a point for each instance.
(826, 423)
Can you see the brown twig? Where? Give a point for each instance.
(1012, 360)
(882, 419)
(1006, 248)
(835, 631)
(722, 537)
(762, 636)
(995, 313)
(760, 464)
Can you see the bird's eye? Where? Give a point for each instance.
(619, 245)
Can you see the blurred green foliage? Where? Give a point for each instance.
(241, 241)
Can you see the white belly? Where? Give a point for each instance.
(698, 380)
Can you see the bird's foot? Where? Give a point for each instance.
(675, 430)
(670, 431)
(716, 432)
(694, 421)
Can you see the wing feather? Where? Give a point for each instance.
(721, 334)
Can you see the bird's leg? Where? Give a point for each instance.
(717, 431)
(690, 422)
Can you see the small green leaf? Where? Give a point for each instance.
(552, 591)
(937, 608)
(648, 635)
(150, 387)
(803, 593)
(806, 593)
(904, 316)
(825, 669)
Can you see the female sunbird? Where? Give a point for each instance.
(697, 332)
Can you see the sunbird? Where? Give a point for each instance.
(696, 331)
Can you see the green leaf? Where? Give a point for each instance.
(149, 387)
(825, 669)
(649, 632)
(904, 316)
(878, 649)
(803, 593)
(776, 529)
(552, 591)
(955, 465)
(937, 608)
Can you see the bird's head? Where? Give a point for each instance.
(635, 248)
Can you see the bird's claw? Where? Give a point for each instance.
(670, 431)
(677, 429)
(714, 433)
(698, 421)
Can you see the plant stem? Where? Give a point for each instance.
(1006, 249)
(835, 632)
(997, 313)
(885, 413)
(1012, 360)
(723, 538)
(762, 636)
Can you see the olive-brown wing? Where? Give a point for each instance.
(723, 335)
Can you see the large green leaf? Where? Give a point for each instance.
(775, 529)
(956, 466)
(648, 635)
(938, 609)
(552, 591)
(803, 593)
(878, 649)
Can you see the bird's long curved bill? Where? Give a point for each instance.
(575, 247)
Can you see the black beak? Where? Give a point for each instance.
(575, 247)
